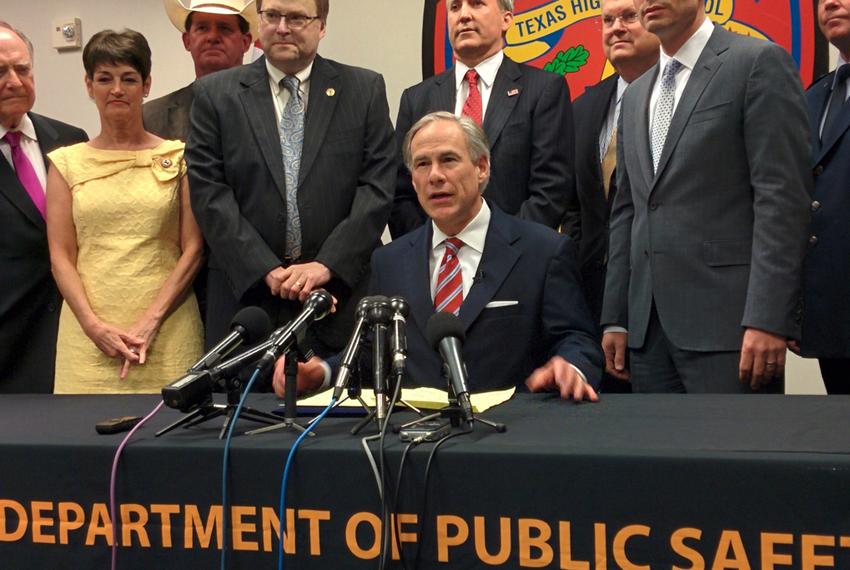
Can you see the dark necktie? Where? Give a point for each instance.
(25, 171)
(836, 102)
(473, 107)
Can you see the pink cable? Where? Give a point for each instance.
(112, 478)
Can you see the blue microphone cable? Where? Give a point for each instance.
(224, 465)
(282, 508)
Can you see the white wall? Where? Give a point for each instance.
(359, 33)
(384, 35)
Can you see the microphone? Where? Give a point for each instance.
(445, 333)
(398, 337)
(196, 386)
(379, 315)
(248, 326)
(316, 307)
(349, 354)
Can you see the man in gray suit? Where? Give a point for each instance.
(291, 169)
(708, 229)
(217, 35)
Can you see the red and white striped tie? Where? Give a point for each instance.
(449, 294)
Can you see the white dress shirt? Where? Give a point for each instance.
(487, 71)
(30, 146)
(613, 116)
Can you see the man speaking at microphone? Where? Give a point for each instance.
(514, 284)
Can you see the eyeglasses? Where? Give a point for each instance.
(293, 21)
(626, 19)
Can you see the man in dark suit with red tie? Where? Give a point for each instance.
(631, 50)
(513, 284)
(525, 112)
(29, 300)
(826, 273)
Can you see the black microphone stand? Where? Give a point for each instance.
(292, 356)
(453, 412)
(209, 410)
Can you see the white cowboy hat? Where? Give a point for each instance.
(178, 13)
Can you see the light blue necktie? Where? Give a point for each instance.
(663, 111)
(291, 140)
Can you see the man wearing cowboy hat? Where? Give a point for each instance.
(217, 34)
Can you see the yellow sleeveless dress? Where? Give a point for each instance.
(126, 209)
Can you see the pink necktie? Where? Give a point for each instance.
(25, 171)
(473, 106)
(449, 294)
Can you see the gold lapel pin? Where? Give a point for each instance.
(330, 92)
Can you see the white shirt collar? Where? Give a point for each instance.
(473, 235)
(487, 69)
(25, 127)
(276, 75)
(690, 51)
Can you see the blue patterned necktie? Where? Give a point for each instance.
(291, 141)
(663, 111)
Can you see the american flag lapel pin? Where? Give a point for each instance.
(512, 92)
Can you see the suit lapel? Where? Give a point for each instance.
(497, 260)
(416, 274)
(257, 103)
(501, 105)
(10, 186)
(641, 136)
(816, 99)
(445, 92)
(835, 134)
(707, 65)
(602, 97)
(324, 93)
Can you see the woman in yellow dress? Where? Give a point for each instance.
(124, 244)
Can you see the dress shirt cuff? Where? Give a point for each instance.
(326, 382)
(614, 328)
(580, 373)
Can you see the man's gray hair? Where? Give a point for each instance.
(20, 34)
(476, 141)
(504, 5)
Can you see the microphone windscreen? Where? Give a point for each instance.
(442, 325)
(320, 301)
(254, 321)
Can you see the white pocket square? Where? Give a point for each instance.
(497, 304)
